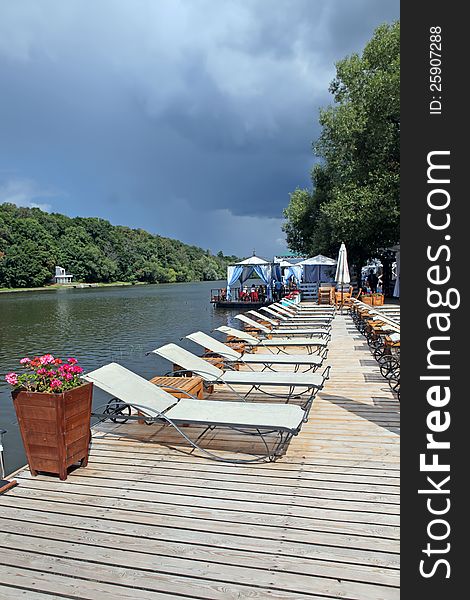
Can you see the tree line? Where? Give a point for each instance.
(354, 196)
(33, 242)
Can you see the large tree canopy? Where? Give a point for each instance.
(355, 193)
(32, 242)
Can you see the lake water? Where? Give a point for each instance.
(98, 326)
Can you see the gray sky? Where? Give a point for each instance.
(189, 118)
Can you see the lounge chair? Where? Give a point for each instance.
(307, 308)
(322, 331)
(267, 360)
(287, 322)
(296, 313)
(132, 392)
(297, 384)
(288, 318)
(311, 344)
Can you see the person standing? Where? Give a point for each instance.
(372, 281)
(253, 293)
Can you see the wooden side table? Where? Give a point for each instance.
(219, 362)
(191, 385)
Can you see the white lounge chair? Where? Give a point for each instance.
(312, 345)
(294, 319)
(285, 331)
(287, 312)
(299, 309)
(132, 392)
(306, 307)
(290, 323)
(267, 360)
(296, 384)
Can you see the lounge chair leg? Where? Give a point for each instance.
(201, 435)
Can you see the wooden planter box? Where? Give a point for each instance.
(378, 300)
(55, 428)
(367, 299)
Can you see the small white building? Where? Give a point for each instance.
(61, 276)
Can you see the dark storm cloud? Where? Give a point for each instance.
(193, 119)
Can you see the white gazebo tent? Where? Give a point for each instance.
(318, 269)
(240, 272)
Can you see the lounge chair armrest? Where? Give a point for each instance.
(229, 367)
(326, 373)
(177, 373)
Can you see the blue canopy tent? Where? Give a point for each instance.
(318, 269)
(240, 272)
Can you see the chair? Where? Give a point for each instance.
(320, 331)
(268, 361)
(288, 315)
(343, 297)
(305, 311)
(325, 295)
(282, 321)
(132, 392)
(297, 384)
(311, 344)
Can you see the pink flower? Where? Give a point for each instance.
(56, 383)
(25, 361)
(47, 359)
(68, 377)
(12, 378)
(77, 369)
(42, 371)
(72, 361)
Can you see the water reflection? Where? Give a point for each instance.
(98, 325)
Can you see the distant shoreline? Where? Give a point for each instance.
(70, 287)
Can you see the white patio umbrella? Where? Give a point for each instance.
(396, 291)
(342, 270)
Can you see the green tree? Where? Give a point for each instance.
(355, 192)
(32, 242)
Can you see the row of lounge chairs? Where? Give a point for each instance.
(381, 328)
(135, 398)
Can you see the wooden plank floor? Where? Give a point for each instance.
(146, 519)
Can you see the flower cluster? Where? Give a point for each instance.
(46, 374)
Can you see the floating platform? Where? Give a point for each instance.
(238, 304)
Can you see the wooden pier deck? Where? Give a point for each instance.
(145, 521)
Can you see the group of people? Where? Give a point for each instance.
(253, 294)
(258, 293)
